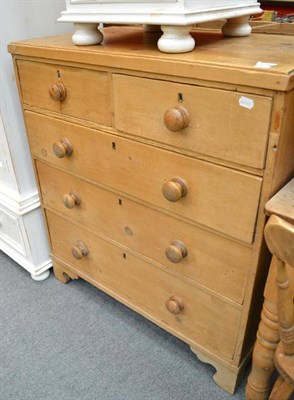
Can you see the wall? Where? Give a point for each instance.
(23, 20)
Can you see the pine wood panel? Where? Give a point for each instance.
(283, 125)
(227, 125)
(220, 198)
(149, 288)
(87, 95)
(149, 232)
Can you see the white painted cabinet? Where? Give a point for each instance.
(174, 17)
(22, 232)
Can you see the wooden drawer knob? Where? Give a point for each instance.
(174, 189)
(176, 118)
(57, 91)
(72, 199)
(175, 305)
(79, 251)
(176, 251)
(62, 148)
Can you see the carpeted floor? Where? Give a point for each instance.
(73, 342)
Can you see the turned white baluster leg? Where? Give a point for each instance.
(237, 27)
(86, 34)
(40, 277)
(176, 39)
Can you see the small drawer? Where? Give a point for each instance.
(179, 246)
(220, 198)
(193, 313)
(227, 125)
(76, 92)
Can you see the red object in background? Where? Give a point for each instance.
(281, 9)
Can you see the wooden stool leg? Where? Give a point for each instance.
(285, 309)
(282, 390)
(258, 384)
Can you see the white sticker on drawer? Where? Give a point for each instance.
(265, 65)
(246, 102)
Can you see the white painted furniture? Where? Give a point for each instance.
(22, 233)
(174, 17)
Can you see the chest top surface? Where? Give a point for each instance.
(260, 61)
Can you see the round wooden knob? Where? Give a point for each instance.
(72, 199)
(79, 251)
(175, 305)
(176, 251)
(62, 148)
(176, 118)
(174, 189)
(57, 91)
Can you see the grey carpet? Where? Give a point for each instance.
(73, 342)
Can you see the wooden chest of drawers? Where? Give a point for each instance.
(154, 169)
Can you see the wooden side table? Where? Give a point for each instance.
(259, 381)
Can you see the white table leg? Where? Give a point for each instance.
(86, 34)
(176, 39)
(237, 27)
(40, 277)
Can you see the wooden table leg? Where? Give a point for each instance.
(258, 384)
(282, 390)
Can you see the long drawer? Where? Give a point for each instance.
(149, 232)
(204, 318)
(220, 198)
(228, 125)
(86, 93)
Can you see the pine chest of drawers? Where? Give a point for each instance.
(154, 169)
